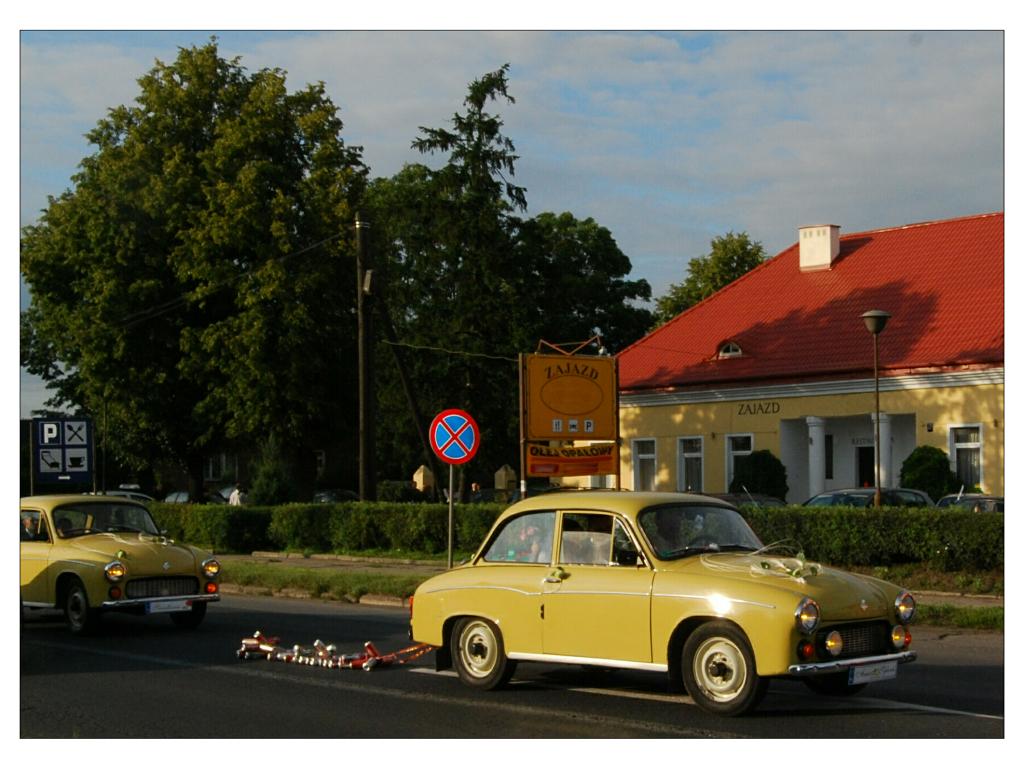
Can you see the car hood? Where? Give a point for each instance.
(840, 595)
(139, 551)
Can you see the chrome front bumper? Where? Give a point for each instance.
(839, 665)
(131, 603)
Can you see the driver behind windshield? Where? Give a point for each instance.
(675, 531)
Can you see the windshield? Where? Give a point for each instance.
(72, 520)
(678, 530)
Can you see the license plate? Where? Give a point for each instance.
(169, 606)
(872, 673)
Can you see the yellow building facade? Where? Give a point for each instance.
(825, 438)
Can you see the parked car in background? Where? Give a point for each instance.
(975, 501)
(89, 554)
(672, 583)
(334, 496)
(865, 497)
(133, 495)
(184, 497)
(751, 499)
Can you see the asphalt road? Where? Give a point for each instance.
(143, 678)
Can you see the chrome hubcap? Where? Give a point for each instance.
(719, 669)
(477, 649)
(76, 607)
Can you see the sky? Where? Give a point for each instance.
(666, 138)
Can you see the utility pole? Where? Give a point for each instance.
(364, 314)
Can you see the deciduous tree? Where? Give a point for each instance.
(732, 256)
(195, 284)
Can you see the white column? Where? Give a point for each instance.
(885, 449)
(815, 455)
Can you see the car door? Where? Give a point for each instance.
(511, 576)
(597, 597)
(35, 556)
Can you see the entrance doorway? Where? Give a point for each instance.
(866, 466)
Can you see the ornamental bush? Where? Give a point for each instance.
(927, 469)
(760, 472)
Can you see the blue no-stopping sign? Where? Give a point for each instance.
(454, 436)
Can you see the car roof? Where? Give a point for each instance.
(627, 502)
(56, 500)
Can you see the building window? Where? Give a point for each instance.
(217, 467)
(729, 349)
(690, 472)
(645, 465)
(736, 446)
(965, 453)
(829, 457)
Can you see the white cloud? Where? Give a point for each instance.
(667, 140)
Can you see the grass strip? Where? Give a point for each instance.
(349, 585)
(324, 583)
(961, 616)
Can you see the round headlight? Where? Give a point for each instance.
(834, 643)
(905, 607)
(115, 571)
(807, 615)
(211, 568)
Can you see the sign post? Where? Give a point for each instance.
(455, 439)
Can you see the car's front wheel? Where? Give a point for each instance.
(82, 619)
(190, 619)
(479, 654)
(719, 670)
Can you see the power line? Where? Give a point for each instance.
(427, 348)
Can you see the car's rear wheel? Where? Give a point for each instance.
(479, 654)
(833, 685)
(719, 670)
(190, 619)
(82, 619)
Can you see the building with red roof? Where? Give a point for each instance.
(781, 360)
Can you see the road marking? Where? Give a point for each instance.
(860, 701)
(331, 681)
(334, 681)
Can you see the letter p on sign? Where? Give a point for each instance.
(51, 433)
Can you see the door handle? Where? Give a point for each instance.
(556, 576)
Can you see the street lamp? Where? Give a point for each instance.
(875, 321)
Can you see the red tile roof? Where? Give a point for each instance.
(942, 282)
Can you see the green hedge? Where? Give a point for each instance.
(952, 540)
(344, 527)
(218, 527)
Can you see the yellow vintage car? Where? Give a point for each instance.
(674, 583)
(90, 554)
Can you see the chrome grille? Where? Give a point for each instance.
(865, 639)
(162, 587)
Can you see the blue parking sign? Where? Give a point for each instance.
(63, 450)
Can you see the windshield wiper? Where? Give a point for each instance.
(691, 550)
(131, 529)
(736, 548)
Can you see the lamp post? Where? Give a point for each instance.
(875, 321)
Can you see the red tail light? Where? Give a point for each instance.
(211, 587)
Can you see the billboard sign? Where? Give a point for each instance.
(570, 461)
(570, 397)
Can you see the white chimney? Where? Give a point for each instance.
(819, 246)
